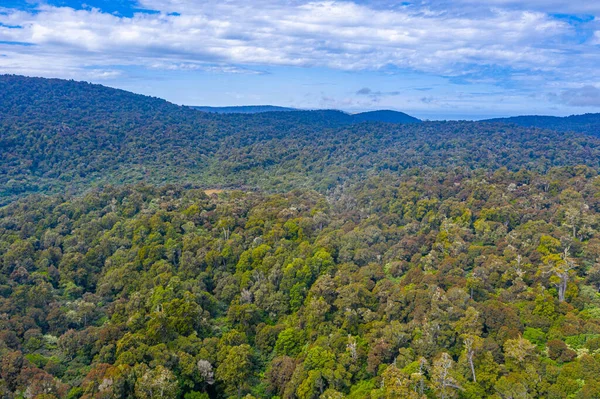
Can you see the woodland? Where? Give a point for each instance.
(149, 250)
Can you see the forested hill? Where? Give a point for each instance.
(489, 280)
(373, 116)
(384, 116)
(340, 260)
(586, 123)
(66, 136)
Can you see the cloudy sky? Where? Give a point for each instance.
(434, 59)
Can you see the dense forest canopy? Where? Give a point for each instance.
(59, 136)
(586, 123)
(329, 260)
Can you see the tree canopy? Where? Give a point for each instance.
(370, 260)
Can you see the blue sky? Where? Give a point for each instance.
(434, 59)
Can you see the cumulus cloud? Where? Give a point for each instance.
(547, 6)
(586, 96)
(237, 36)
(340, 35)
(376, 96)
(199, 66)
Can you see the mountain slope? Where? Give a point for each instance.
(385, 116)
(130, 290)
(370, 116)
(395, 260)
(59, 136)
(586, 123)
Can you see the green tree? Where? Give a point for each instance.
(236, 369)
(157, 383)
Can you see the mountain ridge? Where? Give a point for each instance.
(67, 136)
(383, 115)
(329, 259)
(588, 123)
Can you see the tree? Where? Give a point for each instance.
(396, 384)
(289, 342)
(470, 323)
(205, 370)
(280, 373)
(312, 387)
(442, 377)
(512, 386)
(558, 350)
(472, 344)
(519, 353)
(236, 369)
(10, 368)
(593, 276)
(157, 383)
(559, 267)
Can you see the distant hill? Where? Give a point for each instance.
(244, 109)
(370, 116)
(586, 123)
(66, 136)
(385, 116)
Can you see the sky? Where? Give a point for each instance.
(444, 59)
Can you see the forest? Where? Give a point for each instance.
(62, 136)
(586, 123)
(149, 250)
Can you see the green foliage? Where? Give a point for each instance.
(289, 342)
(235, 370)
(535, 336)
(196, 395)
(65, 136)
(580, 340)
(241, 304)
(435, 260)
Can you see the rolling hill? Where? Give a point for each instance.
(66, 136)
(369, 116)
(384, 116)
(149, 250)
(586, 123)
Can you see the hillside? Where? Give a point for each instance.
(586, 123)
(384, 116)
(371, 116)
(149, 250)
(371, 292)
(65, 136)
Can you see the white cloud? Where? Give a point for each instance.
(589, 7)
(191, 66)
(237, 36)
(586, 96)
